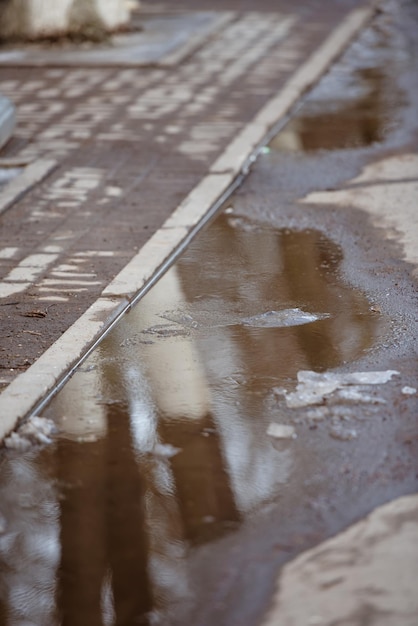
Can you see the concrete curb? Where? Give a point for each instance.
(7, 120)
(25, 394)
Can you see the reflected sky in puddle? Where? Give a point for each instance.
(162, 444)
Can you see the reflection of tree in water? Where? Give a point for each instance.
(103, 530)
(241, 267)
(352, 123)
(310, 271)
(128, 514)
(29, 538)
(254, 269)
(203, 491)
(128, 517)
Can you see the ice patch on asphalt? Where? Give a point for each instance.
(183, 323)
(333, 398)
(313, 387)
(287, 317)
(281, 431)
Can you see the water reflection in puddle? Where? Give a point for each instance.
(163, 444)
(361, 117)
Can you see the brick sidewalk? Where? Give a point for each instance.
(130, 144)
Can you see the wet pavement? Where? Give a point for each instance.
(227, 424)
(164, 448)
(362, 116)
(120, 137)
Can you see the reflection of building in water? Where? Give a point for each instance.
(180, 390)
(136, 507)
(249, 269)
(294, 269)
(103, 530)
(128, 507)
(163, 436)
(29, 541)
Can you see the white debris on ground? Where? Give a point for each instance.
(338, 431)
(334, 398)
(409, 391)
(313, 388)
(281, 431)
(36, 431)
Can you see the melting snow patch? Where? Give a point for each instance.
(335, 399)
(354, 395)
(281, 431)
(36, 431)
(409, 391)
(313, 388)
(341, 432)
(318, 414)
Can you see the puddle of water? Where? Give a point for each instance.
(362, 117)
(165, 440)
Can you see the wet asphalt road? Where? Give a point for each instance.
(162, 475)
